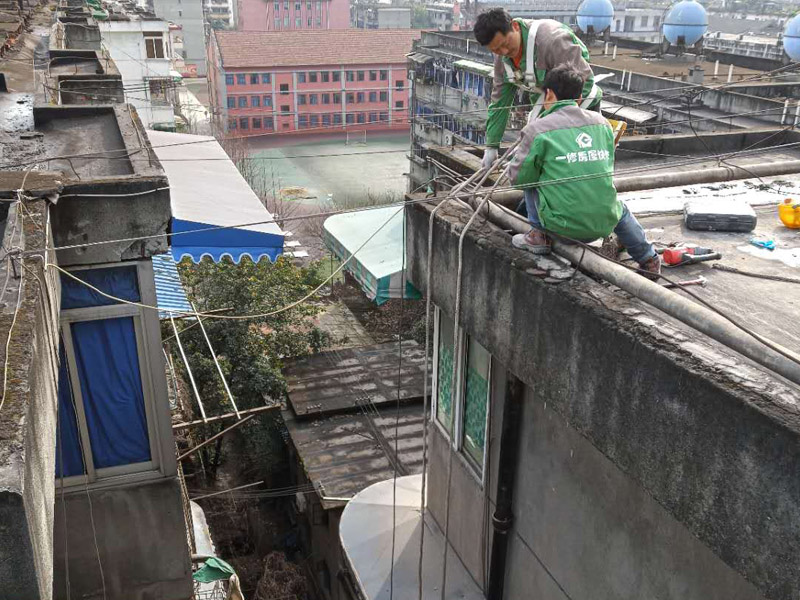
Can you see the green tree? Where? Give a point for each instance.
(250, 351)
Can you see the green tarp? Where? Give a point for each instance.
(214, 569)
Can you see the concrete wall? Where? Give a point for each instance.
(27, 426)
(189, 15)
(140, 535)
(644, 472)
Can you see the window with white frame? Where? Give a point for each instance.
(154, 44)
(106, 391)
(461, 409)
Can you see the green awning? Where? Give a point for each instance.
(475, 67)
(214, 569)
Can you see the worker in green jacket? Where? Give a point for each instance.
(525, 50)
(565, 164)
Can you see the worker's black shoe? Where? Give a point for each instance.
(534, 241)
(651, 268)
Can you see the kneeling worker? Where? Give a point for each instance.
(569, 153)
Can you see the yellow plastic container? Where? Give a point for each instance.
(789, 212)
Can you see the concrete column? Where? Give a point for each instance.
(716, 69)
(614, 57)
(605, 49)
(796, 114)
(730, 73)
(622, 81)
(785, 110)
(630, 76)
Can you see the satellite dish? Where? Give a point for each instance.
(686, 23)
(791, 38)
(595, 16)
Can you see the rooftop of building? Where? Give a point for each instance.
(668, 66)
(345, 409)
(250, 49)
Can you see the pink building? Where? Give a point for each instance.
(291, 15)
(309, 81)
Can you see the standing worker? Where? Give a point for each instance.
(525, 50)
(565, 163)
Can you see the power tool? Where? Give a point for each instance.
(675, 257)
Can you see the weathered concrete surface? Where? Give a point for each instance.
(719, 453)
(150, 539)
(28, 419)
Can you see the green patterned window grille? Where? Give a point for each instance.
(444, 374)
(476, 399)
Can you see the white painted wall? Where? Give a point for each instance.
(125, 42)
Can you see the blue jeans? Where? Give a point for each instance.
(628, 230)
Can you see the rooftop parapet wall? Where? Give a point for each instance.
(28, 416)
(712, 439)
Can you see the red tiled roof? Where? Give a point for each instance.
(255, 49)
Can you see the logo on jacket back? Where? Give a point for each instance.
(584, 140)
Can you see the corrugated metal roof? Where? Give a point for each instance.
(475, 67)
(169, 289)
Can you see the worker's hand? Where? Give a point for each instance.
(489, 156)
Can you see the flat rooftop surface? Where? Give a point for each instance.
(342, 380)
(672, 67)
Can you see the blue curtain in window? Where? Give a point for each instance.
(120, 282)
(111, 386)
(68, 442)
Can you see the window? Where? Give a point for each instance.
(476, 399)
(277, 22)
(231, 101)
(267, 101)
(297, 7)
(644, 21)
(373, 76)
(350, 118)
(231, 124)
(384, 96)
(384, 75)
(319, 21)
(337, 98)
(244, 123)
(308, 5)
(266, 78)
(350, 75)
(106, 408)
(301, 78)
(284, 88)
(337, 118)
(656, 22)
(326, 120)
(255, 101)
(285, 21)
(268, 124)
(314, 120)
(336, 76)
(373, 117)
(398, 84)
(444, 371)
(241, 79)
(285, 109)
(298, 22)
(359, 97)
(301, 99)
(242, 101)
(254, 78)
(154, 44)
(312, 99)
(319, 6)
(360, 117)
(285, 4)
(384, 117)
(360, 76)
(373, 96)
(277, 7)
(309, 21)
(302, 121)
(351, 98)
(324, 76)
(398, 104)
(228, 79)
(180, 12)
(256, 122)
(326, 98)
(312, 77)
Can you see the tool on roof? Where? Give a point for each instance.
(761, 243)
(701, 281)
(789, 213)
(690, 255)
(719, 214)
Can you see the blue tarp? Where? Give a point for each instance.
(120, 282)
(111, 386)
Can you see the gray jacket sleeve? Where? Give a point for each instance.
(556, 46)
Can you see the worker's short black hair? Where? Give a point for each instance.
(489, 23)
(566, 82)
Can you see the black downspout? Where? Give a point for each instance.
(506, 475)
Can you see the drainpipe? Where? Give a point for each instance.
(506, 475)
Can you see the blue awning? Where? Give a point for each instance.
(207, 191)
(169, 289)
